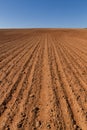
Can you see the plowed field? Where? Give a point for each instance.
(43, 79)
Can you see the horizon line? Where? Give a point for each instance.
(44, 28)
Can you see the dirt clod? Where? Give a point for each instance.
(38, 124)
(48, 126)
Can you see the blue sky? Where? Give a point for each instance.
(43, 13)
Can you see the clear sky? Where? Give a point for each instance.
(43, 13)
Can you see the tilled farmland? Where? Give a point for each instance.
(43, 79)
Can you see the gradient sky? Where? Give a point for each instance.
(43, 13)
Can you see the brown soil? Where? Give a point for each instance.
(43, 79)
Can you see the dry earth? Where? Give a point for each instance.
(43, 79)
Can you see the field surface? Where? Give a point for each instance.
(43, 79)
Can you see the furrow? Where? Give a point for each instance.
(77, 111)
